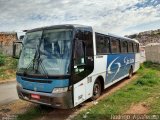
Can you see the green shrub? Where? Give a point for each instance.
(146, 82)
(2, 59)
(14, 64)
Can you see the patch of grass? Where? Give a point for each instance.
(155, 106)
(148, 79)
(35, 112)
(29, 115)
(136, 91)
(7, 67)
(2, 59)
(151, 65)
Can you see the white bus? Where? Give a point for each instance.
(64, 65)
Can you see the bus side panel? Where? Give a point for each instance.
(99, 71)
(118, 66)
(79, 92)
(84, 89)
(100, 64)
(137, 61)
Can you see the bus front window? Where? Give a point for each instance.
(49, 53)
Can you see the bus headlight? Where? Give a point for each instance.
(60, 90)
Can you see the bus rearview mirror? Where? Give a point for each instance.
(17, 47)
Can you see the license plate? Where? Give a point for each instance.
(35, 96)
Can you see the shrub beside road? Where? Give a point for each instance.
(8, 67)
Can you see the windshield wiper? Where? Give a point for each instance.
(42, 66)
(39, 60)
(32, 61)
(36, 61)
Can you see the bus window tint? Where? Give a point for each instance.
(130, 47)
(107, 45)
(115, 48)
(79, 53)
(102, 44)
(124, 47)
(136, 47)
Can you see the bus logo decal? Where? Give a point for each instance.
(110, 65)
(128, 61)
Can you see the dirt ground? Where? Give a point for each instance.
(140, 108)
(20, 106)
(16, 107)
(2, 81)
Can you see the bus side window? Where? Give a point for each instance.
(136, 47)
(79, 56)
(130, 47)
(99, 44)
(115, 46)
(102, 44)
(107, 44)
(124, 47)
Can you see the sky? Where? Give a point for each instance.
(121, 17)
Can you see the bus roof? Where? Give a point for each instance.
(78, 26)
(113, 35)
(126, 38)
(58, 26)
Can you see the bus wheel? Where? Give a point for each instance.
(130, 72)
(96, 90)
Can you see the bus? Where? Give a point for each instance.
(64, 65)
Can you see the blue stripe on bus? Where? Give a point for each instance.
(42, 87)
(118, 65)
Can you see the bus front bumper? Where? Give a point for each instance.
(59, 100)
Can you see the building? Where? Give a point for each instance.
(152, 52)
(6, 42)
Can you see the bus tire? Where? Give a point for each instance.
(96, 89)
(130, 72)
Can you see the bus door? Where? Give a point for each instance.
(79, 72)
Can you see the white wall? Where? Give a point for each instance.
(153, 53)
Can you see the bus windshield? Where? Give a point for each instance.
(46, 52)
